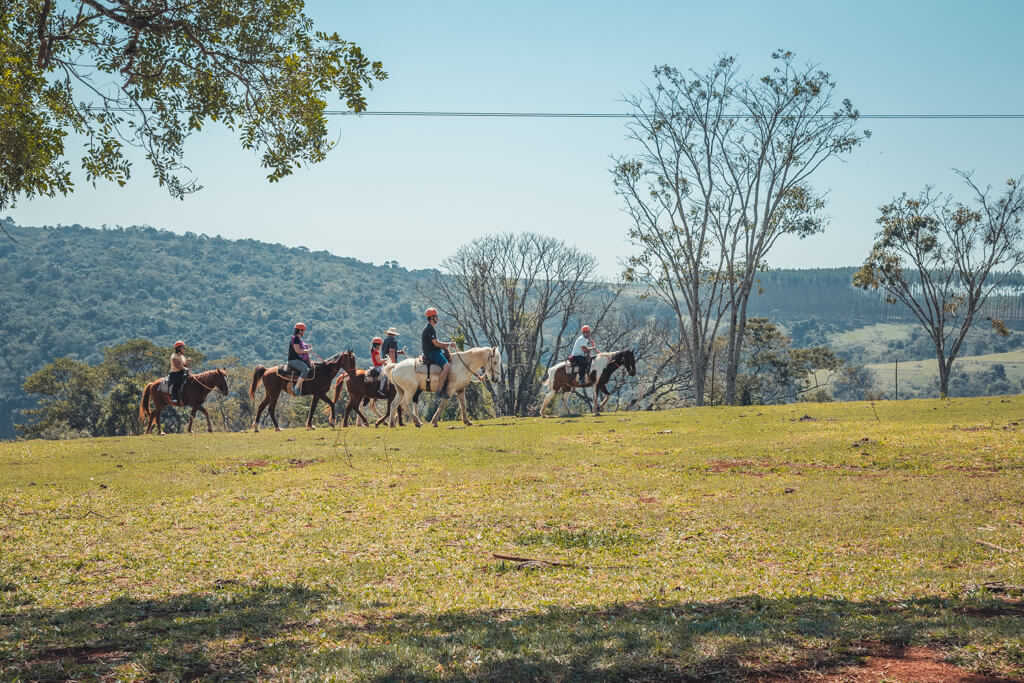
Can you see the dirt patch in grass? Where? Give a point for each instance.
(892, 664)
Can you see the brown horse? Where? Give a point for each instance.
(361, 390)
(559, 378)
(193, 392)
(317, 384)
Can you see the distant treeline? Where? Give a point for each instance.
(72, 291)
(827, 294)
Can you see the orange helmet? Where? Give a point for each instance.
(431, 312)
(376, 340)
(300, 326)
(178, 344)
(586, 328)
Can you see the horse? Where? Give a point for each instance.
(317, 384)
(410, 377)
(361, 390)
(193, 393)
(559, 379)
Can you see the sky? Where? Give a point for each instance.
(413, 189)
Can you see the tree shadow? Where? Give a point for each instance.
(297, 632)
(184, 637)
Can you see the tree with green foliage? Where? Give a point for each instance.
(722, 172)
(942, 260)
(69, 401)
(149, 73)
(775, 372)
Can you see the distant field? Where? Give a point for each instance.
(718, 543)
(876, 336)
(921, 375)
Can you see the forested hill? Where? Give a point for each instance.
(71, 291)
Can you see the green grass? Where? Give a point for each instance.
(922, 375)
(718, 543)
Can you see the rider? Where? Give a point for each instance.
(583, 348)
(298, 356)
(179, 370)
(389, 349)
(433, 350)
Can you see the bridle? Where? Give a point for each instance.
(195, 377)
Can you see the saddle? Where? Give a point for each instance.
(165, 388)
(574, 373)
(289, 373)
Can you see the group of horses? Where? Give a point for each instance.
(405, 381)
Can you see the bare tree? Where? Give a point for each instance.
(521, 292)
(939, 258)
(723, 173)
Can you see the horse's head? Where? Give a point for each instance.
(493, 365)
(220, 381)
(348, 360)
(629, 361)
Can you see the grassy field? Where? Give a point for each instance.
(920, 375)
(722, 543)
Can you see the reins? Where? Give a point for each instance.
(195, 378)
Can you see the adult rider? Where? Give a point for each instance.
(583, 348)
(298, 356)
(433, 350)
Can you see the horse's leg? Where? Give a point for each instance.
(272, 410)
(437, 413)
(565, 402)
(597, 400)
(323, 397)
(462, 404)
(209, 425)
(159, 427)
(547, 399)
(312, 408)
(190, 418)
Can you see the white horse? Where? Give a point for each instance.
(410, 375)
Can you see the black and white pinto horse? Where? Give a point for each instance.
(560, 378)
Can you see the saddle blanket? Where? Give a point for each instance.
(289, 373)
(165, 386)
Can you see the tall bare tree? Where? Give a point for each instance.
(521, 292)
(939, 258)
(722, 173)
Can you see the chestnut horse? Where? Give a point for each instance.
(361, 390)
(193, 392)
(558, 378)
(317, 384)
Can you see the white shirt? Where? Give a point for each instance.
(580, 347)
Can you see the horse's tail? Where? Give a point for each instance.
(257, 375)
(144, 405)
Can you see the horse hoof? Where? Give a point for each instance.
(277, 429)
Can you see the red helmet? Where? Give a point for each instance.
(300, 326)
(431, 312)
(376, 340)
(179, 344)
(586, 328)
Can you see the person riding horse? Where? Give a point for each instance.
(179, 370)
(298, 356)
(377, 371)
(433, 350)
(582, 351)
(389, 349)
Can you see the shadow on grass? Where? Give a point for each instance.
(295, 632)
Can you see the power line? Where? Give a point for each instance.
(604, 115)
(611, 115)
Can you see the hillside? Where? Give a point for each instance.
(71, 291)
(747, 543)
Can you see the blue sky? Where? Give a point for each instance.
(414, 189)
